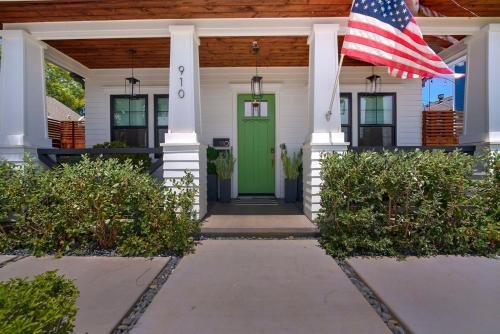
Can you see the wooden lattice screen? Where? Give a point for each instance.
(67, 134)
(441, 128)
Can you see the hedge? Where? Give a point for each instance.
(45, 304)
(399, 203)
(95, 204)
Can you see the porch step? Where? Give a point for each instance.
(256, 232)
(257, 218)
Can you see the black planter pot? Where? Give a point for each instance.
(212, 187)
(300, 187)
(225, 190)
(290, 191)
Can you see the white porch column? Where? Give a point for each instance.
(23, 116)
(482, 102)
(182, 149)
(326, 134)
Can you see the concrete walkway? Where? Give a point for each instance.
(6, 258)
(259, 286)
(442, 294)
(109, 286)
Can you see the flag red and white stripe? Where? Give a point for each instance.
(372, 38)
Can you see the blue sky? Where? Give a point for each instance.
(437, 86)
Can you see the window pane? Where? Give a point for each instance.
(160, 136)
(129, 112)
(162, 103)
(162, 118)
(376, 109)
(346, 131)
(131, 137)
(376, 136)
(344, 109)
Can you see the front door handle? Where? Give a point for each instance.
(273, 157)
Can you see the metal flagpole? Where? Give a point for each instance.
(335, 87)
(336, 84)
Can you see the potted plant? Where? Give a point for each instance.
(291, 168)
(224, 165)
(212, 155)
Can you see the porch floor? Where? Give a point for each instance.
(257, 217)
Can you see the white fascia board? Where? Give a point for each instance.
(228, 27)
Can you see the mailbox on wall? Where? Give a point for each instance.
(221, 143)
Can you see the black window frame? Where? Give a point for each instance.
(112, 118)
(349, 117)
(394, 117)
(155, 116)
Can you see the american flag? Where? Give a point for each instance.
(385, 33)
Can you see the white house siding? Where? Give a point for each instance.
(219, 87)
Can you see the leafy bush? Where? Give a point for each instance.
(407, 203)
(7, 177)
(101, 204)
(45, 304)
(225, 164)
(141, 160)
(291, 164)
(212, 155)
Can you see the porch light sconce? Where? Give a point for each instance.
(256, 82)
(373, 83)
(132, 81)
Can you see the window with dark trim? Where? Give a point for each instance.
(346, 115)
(161, 118)
(129, 119)
(377, 119)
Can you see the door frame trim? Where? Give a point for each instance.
(270, 88)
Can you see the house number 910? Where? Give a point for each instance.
(181, 92)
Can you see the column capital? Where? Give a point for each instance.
(21, 34)
(329, 28)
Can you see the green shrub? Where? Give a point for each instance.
(402, 203)
(212, 155)
(45, 304)
(141, 160)
(291, 164)
(101, 204)
(225, 164)
(7, 180)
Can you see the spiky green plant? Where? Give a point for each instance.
(291, 164)
(224, 165)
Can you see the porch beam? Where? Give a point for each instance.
(228, 27)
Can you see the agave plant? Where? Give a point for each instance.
(291, 164)
(224, 165)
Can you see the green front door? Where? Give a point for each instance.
(256, 156)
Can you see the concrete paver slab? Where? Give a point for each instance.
(5, 258)
(109, 286)
(259, 286)
(439, 294)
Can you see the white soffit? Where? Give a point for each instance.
(228, 27)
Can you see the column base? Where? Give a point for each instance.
(320, 143)
(16, 154)
(183, 153)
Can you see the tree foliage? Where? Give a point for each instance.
(61, 86)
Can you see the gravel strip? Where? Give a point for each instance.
(382, 310)
(146, 298)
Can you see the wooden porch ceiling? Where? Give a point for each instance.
(86, 10)
(214, 51)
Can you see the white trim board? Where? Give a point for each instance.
(228, 27)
